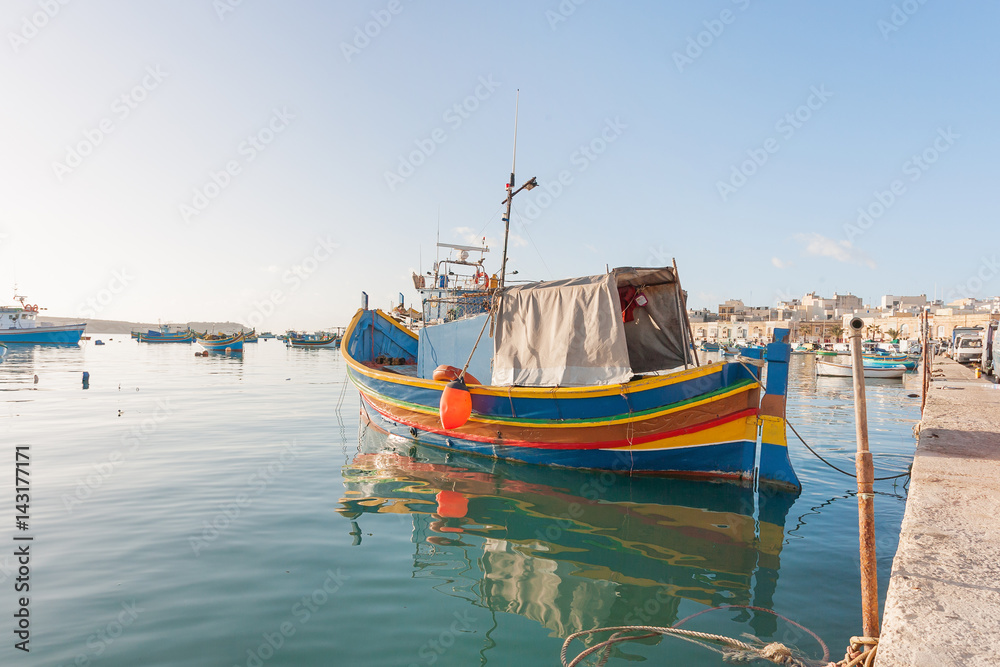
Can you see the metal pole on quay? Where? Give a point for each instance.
(866, 497)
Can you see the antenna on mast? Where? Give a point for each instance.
(510, 196)
(513, 162)
(531, 183)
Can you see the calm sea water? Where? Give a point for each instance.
(229, 510)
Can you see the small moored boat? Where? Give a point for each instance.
(179, 337)
(317, 342)
(846, 370)
(234, 343)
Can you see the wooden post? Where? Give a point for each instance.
(866, 497)
(925, 360)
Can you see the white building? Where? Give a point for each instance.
(895, 305)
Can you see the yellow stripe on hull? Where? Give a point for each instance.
(738, 430)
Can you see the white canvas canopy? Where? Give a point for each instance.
(571, 333)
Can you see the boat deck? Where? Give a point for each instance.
(410, 370)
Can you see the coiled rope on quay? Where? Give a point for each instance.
(739, 651)
(776, 652)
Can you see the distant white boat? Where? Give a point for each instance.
(18, 324)
(846, 370)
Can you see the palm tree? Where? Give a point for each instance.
(873, 329)
(893, 334)
(837, 331)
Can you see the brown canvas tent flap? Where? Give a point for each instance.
(566, 333)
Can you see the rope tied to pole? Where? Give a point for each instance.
(857, 655)
(758, 362)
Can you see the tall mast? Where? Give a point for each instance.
(510, 197)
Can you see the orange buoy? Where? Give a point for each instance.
(456, 404)
(446, 373)
(452, 504)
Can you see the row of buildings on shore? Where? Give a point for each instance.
(816, 319)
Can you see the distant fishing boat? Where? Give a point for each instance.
(219, 343)
(893, 360)
(845, 370)
(250, 337)
(164, 335)
(314, 343)
(884, 356)
(19, 324)
(157, 337)
(706, 346)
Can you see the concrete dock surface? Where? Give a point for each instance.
(943, 602)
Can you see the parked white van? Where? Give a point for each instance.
(968, 348)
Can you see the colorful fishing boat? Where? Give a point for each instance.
(596, 372)
(894, 360)
(19, 324)
(834, 369)
(220, 343)
(625, 392)
(905, 361)
(251, 337)
(158, 337)
(313, 342)
(707, 346)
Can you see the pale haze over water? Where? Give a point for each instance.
(265, 162)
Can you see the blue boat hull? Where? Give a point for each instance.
(64, 335)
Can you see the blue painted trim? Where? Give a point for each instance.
(776, 468)
(753, 353)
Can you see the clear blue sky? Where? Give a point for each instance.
(740, 137)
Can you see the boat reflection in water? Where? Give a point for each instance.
(570, 549)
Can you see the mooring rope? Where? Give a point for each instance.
(860, 653)
(819, 640)
(803, 440)
(877, 479)
(856, 655)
